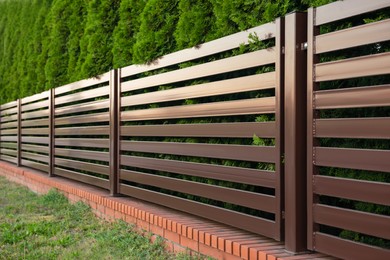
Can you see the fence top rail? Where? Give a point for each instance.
(263, 32)
(345, 9)
(36, 97)
(82, 83)
(8, 105)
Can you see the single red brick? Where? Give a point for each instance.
(191, 244)
(130, 219)
(174, 237)
(209, 251)
(109, 212)
(143, 224)
(156, 230)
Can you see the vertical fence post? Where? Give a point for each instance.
(19, 134)
(114, 131)
(312, 59)
(279, 120)
(51, 132)
(295, 132)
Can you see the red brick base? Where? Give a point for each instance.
(182, 232)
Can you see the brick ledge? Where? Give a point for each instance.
(181, 231)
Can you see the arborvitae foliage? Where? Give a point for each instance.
(101, 22)
(124, 33)
(155, 37)
(195, 22)
(76, 24)
(38, 50)
(232, 16)
(43, 55)
(57, 62)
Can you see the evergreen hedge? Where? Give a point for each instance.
(49, 43)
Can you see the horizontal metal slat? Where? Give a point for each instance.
(9, 132)
(83, 84)
(243, 198)
(37, 122)
(244, 61)
(265, 31)
(8, 158)
(8, 125)
(239, 220)
(360, 159)
(234, 152)
(37, 105)
(84, 107)
(346, 219)
(374, 96)
(83, 142)
(35, 131)
(8, 145)
(35, 140)
(217, 172)
(227, 108)
(9, 105)
(88, 130)
(36, 114)
(92, 180)
(8, 138)
(79, 96)
(238, 130)
(91, 167)
(35, 148)
(248, 83)
(370, 65)
(347, 249)
(9, 118)
(83, 119)
(8, 152)
(82, 154)
(8, 111)
(35, 165)
(375, 128)
(347, 8)
(352, 37)
(374, 192)
(36, 97)
(37, 157)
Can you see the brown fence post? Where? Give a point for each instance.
(19, 135)
(279, 120)
(114, 130)
(295, 131)
(51, 132)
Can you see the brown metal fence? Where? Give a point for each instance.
(82, 131)
(180, 137)
(348, 195)
(225, 132)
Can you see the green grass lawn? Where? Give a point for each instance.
(49, 227)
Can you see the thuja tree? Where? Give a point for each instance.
(124, 33)
(195, 22)
(96, 44)
(238, 15)
(76, 24)
(57, 61)
(155, 37)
